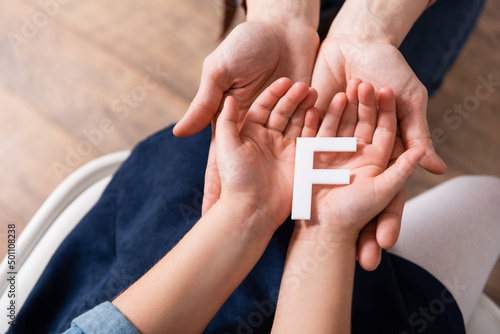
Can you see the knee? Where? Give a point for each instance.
(479, 196)
(477, 185)
(475, 195)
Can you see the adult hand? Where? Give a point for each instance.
(341, 58)
(254, 55)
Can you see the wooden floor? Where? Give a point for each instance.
(86, 78)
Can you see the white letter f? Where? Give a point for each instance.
(305, 176)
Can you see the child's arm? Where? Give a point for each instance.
(316, 289)
(184, 290)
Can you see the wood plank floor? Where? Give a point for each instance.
(122, 71)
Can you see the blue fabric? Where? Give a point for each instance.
(432, 45)
(153, 200)
(104, 318)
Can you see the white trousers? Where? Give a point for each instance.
(453, 231)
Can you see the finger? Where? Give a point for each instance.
(369, 252)
(385, 132)
(367, 113)
(311, 123)
(350, 116)
(389, 221)
(390, 182)
(227, 130)
(204, 106)
(330, 123)
(286, 106)
(431, 161)
(212, 188)
(296, 122)
(261, 108)
(226, 139)
(415, 130)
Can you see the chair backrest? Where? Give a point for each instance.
(55, 219)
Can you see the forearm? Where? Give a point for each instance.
(316, 289)
(197, 276)
(304, 11)
(384, 20)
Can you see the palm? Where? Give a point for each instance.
(255, 54)
(269, 162)
(339, 202)
(380, 64)
(256, 159)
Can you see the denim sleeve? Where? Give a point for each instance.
(104, 318)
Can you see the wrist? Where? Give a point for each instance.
(326, 235)
(304, 12)
(248, 215)
(377, 21)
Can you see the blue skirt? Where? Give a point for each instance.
(152, 201)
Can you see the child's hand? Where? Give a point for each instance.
(347, 209)
(256, 162)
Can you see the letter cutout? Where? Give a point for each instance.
(305, 176)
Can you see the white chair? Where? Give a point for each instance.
(55, 219)
(73, 198)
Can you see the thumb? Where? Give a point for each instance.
(394, 178)
(203, 108)
(415, 128)
(227, 133)
(212, 188)
(431, 161)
